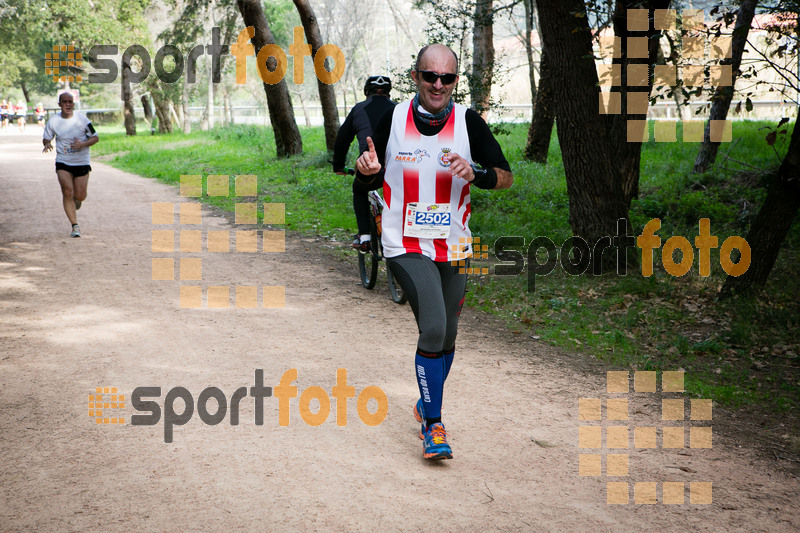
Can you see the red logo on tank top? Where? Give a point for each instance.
(442, 155)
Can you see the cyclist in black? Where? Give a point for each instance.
(360, 123)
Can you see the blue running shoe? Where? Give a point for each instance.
(435, 444)
(419, 414)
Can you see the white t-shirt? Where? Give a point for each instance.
(66, 130)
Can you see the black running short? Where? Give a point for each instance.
(76, 170)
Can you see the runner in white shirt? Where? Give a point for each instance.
(5, 113)
(426, 151)
(22, 113)
(74, 135)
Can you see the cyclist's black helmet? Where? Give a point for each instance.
(378, 85)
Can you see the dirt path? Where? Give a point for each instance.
(80, 313)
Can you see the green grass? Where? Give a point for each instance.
(316, 200)
(738, 352)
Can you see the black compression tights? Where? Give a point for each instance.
(435, 292)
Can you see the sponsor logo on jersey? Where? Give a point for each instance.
(411, 157)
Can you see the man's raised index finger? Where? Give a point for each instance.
(370, 145)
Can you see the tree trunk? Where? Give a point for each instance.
(204, 119)
(210, 97)
(127, 98)
(596, 201)
(541, 128)
(628, 154)
(327, 96)
(674, 56)
(721, 101)
(279, 103)
(174, 115)
(529, 8)
(161, 127)
(305, 108)
(231, 32)
(772, 224)
(230, 107)
(480, 81)
(162, 112)
(25, 92)
(148, 111)
(187, 119)
(225, 110)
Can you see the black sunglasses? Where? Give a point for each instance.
(431, 77)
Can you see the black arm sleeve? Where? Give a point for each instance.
(380, 138)
(342, 143)
(485, 149)
(362, 127)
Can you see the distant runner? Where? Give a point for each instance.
(74, 135)
(40, 114)
(5, 113)
(22, 113)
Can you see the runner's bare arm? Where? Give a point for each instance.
(47, 145)
(77, 144)
(504, 178)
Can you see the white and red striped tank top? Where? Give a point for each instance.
(415, 172)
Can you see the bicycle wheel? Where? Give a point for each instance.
(368, 269)
(395, 290)
(368, 262)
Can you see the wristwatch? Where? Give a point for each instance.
(479, 171)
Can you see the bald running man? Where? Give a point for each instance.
(429, 151)
(74, 135)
